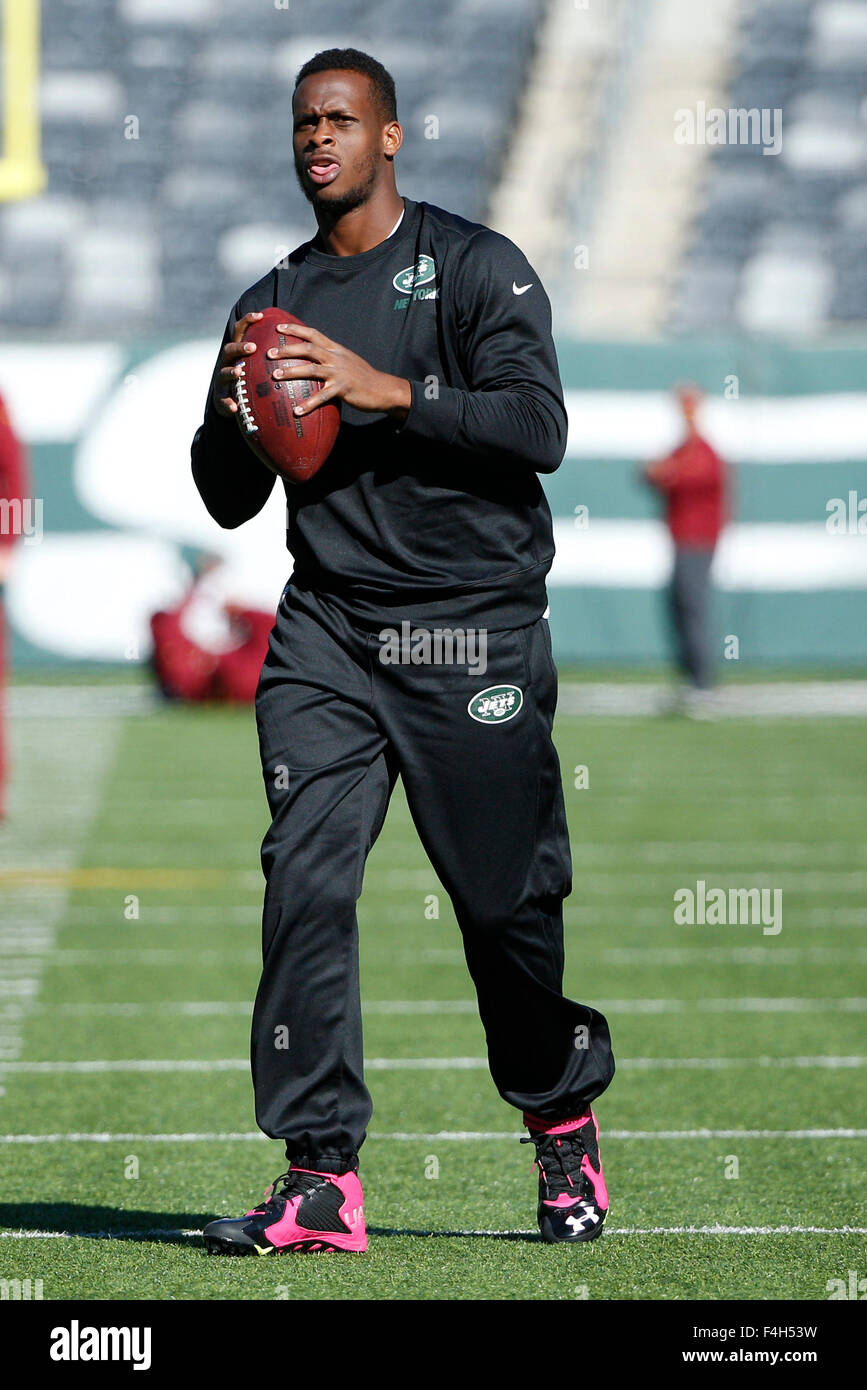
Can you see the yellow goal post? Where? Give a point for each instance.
(22, 173)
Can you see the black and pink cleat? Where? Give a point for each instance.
(573, 1198)
(311, 1212)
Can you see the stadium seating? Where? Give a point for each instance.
(165, 122)
(778, 241)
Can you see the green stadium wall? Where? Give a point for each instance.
(790, 418)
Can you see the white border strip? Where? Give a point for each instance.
(752, 557)
(823, 427)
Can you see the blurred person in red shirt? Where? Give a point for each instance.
(14, 475)
(218, 657)
(693, 479)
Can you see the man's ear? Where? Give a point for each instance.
(392, 139)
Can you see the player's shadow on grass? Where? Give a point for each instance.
(103, 1223)
(174, 1227)
(525, 1237)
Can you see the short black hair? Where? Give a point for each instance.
(353, 60)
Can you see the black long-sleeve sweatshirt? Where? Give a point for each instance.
(441, 517)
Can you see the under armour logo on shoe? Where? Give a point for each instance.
(583, 1223)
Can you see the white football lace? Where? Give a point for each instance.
(243, 403)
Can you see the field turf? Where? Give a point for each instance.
(129, 937)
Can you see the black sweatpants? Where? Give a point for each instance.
(336, 727)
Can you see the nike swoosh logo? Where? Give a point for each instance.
(522, 289)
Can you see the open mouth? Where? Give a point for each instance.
(323, 170)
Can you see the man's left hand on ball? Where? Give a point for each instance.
(344, 375)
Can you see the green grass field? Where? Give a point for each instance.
(129, 935)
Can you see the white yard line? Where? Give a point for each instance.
(45, 703)
(777, 954)
(718, 1063)
(462, 1136)
(762, 700)
(792, 880)
(241, 1008)
(171, 1232)
(191, 913)
(733, 955)
(444, 1136)
(228, 1064)
(782, 1005)
(660, 916)
(447, 955)
(158, 955)
(55, 792)
(849, 853)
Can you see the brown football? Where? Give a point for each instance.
(293, 446)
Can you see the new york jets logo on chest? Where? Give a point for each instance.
(416, 282)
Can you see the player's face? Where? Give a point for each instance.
(339, 139)
(689, 403)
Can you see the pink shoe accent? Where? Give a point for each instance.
(286, 1231)
(597, 1180)
(561, 1127)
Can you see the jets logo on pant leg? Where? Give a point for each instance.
(496, 704)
